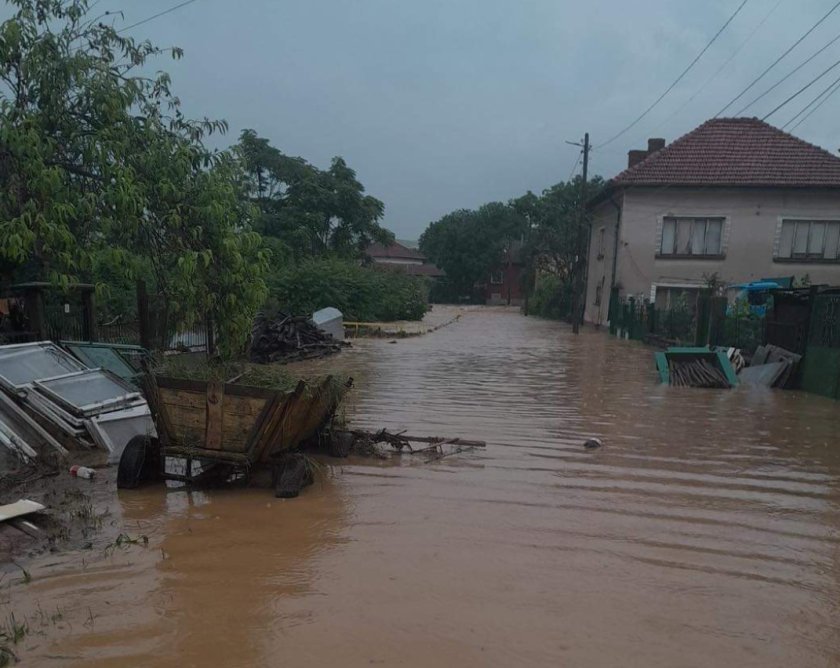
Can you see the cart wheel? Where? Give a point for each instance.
(341, 443)
(293, 477)
(138, 462)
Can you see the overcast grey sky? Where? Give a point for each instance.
(443, 104)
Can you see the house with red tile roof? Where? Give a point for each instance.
(735, 197)
(401, 257)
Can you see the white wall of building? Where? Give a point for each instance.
(753, 220)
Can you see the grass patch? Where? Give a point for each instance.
(266, 376)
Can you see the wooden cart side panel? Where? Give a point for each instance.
(304, 414)
(188, 413)
(200, 387)
(272, 438)
(259, 424)
(319, 410)
(186, 421)
(240, 415)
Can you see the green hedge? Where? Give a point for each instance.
(365, 294)
(550, 299)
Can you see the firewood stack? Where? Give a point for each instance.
(288, 338)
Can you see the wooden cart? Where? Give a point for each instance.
(230, 427)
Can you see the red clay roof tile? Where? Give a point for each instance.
(736, 152)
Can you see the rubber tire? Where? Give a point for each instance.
(295, 475)
(137, 462)
(341, 443)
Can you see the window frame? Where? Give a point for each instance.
(692, 219)
(501, 277)
(602, 241)
(807, 257)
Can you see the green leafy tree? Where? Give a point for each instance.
(305, 210)
(100, 168)
(468, 244)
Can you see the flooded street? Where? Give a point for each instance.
(706, 531)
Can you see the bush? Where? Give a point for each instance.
(551, 298)
(364, 294)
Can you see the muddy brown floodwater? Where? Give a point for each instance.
(706, 532)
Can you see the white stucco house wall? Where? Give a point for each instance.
(735, 197)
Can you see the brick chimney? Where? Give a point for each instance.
(635, 157)
(655, 145)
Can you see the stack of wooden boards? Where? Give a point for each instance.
(287, 338)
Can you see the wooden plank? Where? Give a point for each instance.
(248, 391)
(169, 383)
(184, 397)
(247, 407)
(215, 416)
(274, 427)
(253, 440)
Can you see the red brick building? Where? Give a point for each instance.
(503, 285)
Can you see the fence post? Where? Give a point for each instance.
(631, 324)
(33, 304)
(651, 309)
(143, 324)
(89, 314)
(701, 334)
(211, 337)
(612, 313)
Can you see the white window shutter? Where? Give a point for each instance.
(658, 240)
(777, 237)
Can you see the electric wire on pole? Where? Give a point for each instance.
(579, 266)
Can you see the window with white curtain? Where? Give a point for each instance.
(692, 237)
(809, 241)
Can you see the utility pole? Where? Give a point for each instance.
(580, 262)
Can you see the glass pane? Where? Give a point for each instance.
(21, 366)
(104, 358)
(86, 389)
(684, 236)
(786, 240)
(668, 230)
(714, 234)
(800, 239)
(832, 240)
(815, 241)
(698, 237)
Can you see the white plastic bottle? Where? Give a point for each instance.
(82, 472)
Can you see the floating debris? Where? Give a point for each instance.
(365, 442)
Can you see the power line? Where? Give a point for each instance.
(778, 60)
(722, 67)
(156, 16)
(786, 77)
(813, 101)
(680, 77)
(828, 92)
(802, 90)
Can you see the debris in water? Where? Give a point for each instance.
(364, 443)
(592, 443)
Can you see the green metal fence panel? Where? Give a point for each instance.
(821, 366)
(821, 371)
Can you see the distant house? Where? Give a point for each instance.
(503, 285)
(735, 197)
(401, 257)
